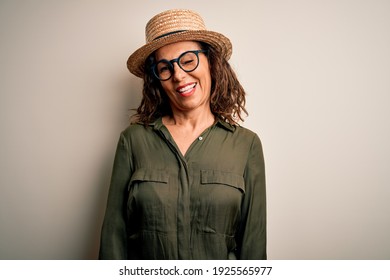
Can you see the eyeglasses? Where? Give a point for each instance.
(187, 61)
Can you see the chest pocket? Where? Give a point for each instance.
(219, 211)
(149, 175)
(222, 178)
(150, 198)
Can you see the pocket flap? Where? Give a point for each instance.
(151, 175)
(222, 177)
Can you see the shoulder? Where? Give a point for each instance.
(239, 136)
(248, 136)
(134, 130)
(245, 133)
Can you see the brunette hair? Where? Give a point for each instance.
(227, 100)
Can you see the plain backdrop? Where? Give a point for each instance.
(317, 76)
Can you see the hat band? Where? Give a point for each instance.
(169, 33)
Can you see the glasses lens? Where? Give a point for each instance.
(163, 70)
(188, 61)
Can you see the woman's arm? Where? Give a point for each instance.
(252, 237)
(113, 242)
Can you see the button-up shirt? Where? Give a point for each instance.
(207, 204)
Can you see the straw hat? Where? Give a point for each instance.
(174, 26)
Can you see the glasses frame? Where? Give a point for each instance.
(177, 60)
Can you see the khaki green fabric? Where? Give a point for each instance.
(208, 204)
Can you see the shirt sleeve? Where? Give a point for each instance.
(252, 237)
(113, 241)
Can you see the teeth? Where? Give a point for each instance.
(187, 88)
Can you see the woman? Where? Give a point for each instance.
(188, 182)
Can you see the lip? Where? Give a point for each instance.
(185, 93)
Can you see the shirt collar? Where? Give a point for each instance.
(226, 125)
(157, 124)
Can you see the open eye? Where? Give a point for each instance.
(163, 69)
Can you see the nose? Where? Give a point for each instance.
(178, 73)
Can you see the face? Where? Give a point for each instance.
(187, 91)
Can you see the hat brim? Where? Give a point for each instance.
(136, 61)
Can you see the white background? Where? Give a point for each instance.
(317, 75)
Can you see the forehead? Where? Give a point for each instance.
(175, 49)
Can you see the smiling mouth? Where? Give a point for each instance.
(187, 89)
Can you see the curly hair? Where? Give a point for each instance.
(227, 99)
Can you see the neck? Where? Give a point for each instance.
(190, 120)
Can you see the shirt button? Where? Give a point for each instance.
(200, 138)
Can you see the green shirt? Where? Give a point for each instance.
(207, 204)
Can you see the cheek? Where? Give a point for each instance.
(204, 73)
(167, 86)
(207, 80)
(204, 76)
